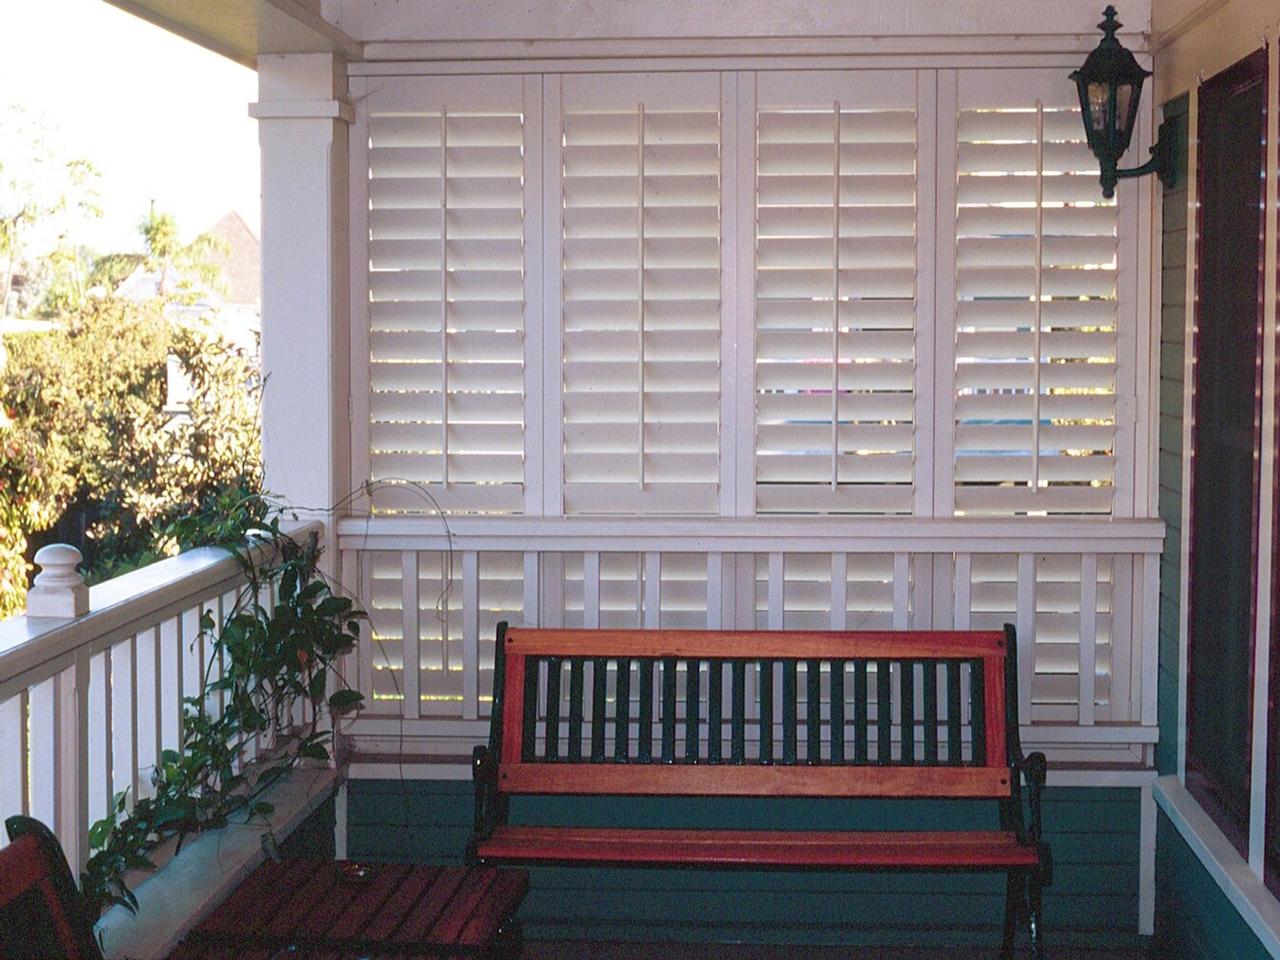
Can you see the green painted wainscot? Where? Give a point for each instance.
(1194, 919)
(1093, 903)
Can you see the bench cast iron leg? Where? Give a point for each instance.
(1035, 922)
(1012, 910)
(509, 942)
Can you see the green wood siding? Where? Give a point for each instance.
(1093, 902)
(1194, 917)
(1172, 334)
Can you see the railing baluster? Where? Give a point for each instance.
(410, 636)
(1088, 636)
(901, 591)
(124, 673)
(470, 635)
(715, 591)
(651, 613)
(98, 758)
(1026, 634)
(1147, 650)
(13, 758)
(777, 588)
(72, 819)
(169, 643)
(42, 711)
(963, 586)
(591, 590)
(839, 590)
(192, 653)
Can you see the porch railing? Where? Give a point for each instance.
(1082, 593)
(88, 704)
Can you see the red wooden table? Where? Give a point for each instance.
(323, 909)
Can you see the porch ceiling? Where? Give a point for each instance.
(244, 29)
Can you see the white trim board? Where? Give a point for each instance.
(1244, 888)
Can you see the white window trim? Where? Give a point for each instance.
(1239, 878)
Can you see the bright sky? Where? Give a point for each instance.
(161, 118)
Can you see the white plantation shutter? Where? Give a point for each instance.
(640, 261)
(446, 214)
(1036, 317)
(836, 221)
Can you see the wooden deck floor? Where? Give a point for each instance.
(573, 950)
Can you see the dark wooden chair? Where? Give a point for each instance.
(41, 914)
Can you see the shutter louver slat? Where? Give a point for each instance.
(835, 296)
(1036, 339)
(446, 311)
(640, 261)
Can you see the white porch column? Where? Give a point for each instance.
(303, 119)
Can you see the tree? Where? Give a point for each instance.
(42, 193)
(184, 271)
(85, 432)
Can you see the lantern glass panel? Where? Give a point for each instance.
(1124, 98)
(1099, 105)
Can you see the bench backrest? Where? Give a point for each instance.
(723, 713)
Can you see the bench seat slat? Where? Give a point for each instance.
(688, 779)
(997, 850)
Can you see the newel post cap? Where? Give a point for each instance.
(59, 590)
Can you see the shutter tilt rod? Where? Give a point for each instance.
(444, 292)
(640, 261)
(835, 300)
(1039, 306)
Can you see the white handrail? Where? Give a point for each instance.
(87, 703)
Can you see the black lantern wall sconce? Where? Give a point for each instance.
(1110, 87)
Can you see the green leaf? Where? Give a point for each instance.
(99, 832)
(318, 683)
(170, 756)
(344, 701)
(313, 751)
(263, 809)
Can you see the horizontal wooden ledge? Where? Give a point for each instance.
(761, 848)
(764, 534)
(748, 781)
(750, 645)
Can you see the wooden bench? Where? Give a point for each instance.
(765, 714)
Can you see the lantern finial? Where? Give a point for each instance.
(1110, 24)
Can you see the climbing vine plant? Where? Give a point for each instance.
(271, 660)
